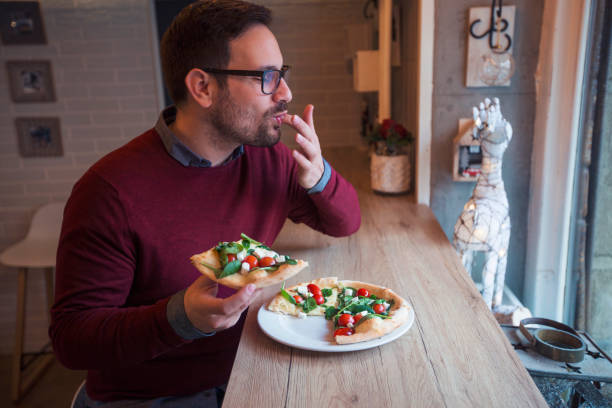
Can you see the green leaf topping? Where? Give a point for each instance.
(230, 269)
(253, 242)
(309, 304)
(326, 292)
(287, 296)
(330, 312)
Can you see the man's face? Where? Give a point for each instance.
(242, 113)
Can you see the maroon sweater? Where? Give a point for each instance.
(130, 226)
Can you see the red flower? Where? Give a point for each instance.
(385, 126)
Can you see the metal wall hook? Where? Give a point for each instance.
(494, 28)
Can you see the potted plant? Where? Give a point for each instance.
(390, 158)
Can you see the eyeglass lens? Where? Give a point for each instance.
(271, 80)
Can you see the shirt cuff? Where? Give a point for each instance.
(320, 186)
(175, 311)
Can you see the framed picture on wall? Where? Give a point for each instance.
(30, 81)
(39, 136)
(21, 23)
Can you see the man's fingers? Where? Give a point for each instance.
(301, 160)
(308, 115)
(239, 300)
(205, 284)
(299, 125)
(307, 147)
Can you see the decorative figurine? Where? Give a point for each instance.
(484, 224)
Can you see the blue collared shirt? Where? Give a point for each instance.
(184, 155)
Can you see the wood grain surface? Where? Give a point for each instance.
(454, 355)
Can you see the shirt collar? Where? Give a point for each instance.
(177, 149)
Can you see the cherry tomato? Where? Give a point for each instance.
(357, 318)
(252, 261)
(363, 292)
(267, 261)
(343, 331)
(298, 299)
(314, 289)
(345, 319)
(319, 299)
(379, 308)
(231, 257)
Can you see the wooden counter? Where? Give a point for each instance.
(454, 355)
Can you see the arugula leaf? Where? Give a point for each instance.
(287, 296)
(330, 312)
(357, 308)
(310, 304)
(342, 309)
(379, 301)
(326, 292)
(363, 319)
(246, 243)
(244, 236)
(291, 261)
(346, 299)
(230, 269)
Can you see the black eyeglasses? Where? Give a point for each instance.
(270, 78)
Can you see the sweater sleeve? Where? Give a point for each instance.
(91, 326)
(333, 211)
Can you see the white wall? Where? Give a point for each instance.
(100, 52)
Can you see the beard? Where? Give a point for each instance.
(243, 125)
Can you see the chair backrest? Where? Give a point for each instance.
(47, 221)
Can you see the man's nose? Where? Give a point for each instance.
(282, 93)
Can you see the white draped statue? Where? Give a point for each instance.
(484, 224)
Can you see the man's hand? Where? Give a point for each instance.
(308, 155)
(208, 313)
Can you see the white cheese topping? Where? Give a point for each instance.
(303, 290)
(262, 253)
(241, 255)
(280, 258)
(245, 268)
(365, 312)
(350, 325)
(370, 301)
(348, 292)
(386, 305)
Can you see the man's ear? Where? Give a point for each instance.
(201, 86)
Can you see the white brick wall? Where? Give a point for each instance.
(102, 60)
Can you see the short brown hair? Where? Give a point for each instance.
(199, 37)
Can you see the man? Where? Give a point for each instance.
(210, 169)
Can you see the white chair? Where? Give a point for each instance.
(37, 250)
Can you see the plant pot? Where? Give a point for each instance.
(390, 174)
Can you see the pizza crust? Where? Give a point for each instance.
(279, 304)
(259, 278)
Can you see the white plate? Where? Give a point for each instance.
(315, 333)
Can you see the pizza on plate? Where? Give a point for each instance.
(359, 311)
(238, 263)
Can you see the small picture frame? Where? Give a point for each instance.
(30, 81)
(39, 136)
(21, 23)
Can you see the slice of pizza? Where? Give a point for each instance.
(359, 311)
(238, 263)
(307, 298)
